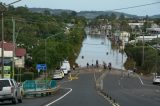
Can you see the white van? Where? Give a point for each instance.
(156, 80)
(65, 71)
(65, 67)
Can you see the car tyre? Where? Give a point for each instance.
(154, 83)
(14, 100)
(20, 99)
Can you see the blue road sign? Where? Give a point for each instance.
(41, 67)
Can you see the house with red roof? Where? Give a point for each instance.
(8, 53)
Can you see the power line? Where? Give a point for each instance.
(13, 2)
(143, 5)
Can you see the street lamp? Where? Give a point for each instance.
(15, 35)
(46, 46)
(157, 54)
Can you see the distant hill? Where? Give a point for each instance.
(87, 14)
(93, 14)
(52, 11)
(155, 16)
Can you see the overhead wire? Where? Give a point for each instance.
(143, 5)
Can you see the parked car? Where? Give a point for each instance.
(65, 71)
(58, 74)
(65, 67)
(156, 79)
(9, 90)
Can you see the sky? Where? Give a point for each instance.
(93, 5)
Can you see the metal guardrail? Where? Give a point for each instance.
(33, 87)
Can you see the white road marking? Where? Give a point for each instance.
(95, 77)
(140, 80)
(70, 90)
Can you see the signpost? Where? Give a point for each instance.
(41, 67)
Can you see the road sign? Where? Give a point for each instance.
(7, 75)
(41, 67)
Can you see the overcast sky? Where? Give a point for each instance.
(89, 5)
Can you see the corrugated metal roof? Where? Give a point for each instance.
(20, 52)
(9, 47)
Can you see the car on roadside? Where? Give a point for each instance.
(58, 74)
(156, 79)
(65, 67)
(10, 91)
(65, 71)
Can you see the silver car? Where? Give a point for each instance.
(9, 90)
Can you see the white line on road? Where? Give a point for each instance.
(95, 77)
(140, 80)
(70, 90)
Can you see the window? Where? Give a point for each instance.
(4, 83)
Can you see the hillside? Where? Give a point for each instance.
(52, 11)
(93, 14)
(87, 14)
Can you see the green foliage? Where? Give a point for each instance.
(151, 59)
(113, 16)
(32, 29)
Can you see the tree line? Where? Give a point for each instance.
(33, 29)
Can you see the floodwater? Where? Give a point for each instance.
(98, 48)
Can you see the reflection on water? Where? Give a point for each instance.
(99, 48)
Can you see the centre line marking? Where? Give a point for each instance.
(70, 90)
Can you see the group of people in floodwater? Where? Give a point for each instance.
(104, 65)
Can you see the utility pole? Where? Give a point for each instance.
(143, 50)
(13, 56)
(157, 55)
(45, 60)
(2, 49)
(2, 45)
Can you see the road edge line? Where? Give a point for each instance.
(140, 80)
(70, 90)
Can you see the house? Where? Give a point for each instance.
(124, 36)
(133, 25)
(8, 56)
(153, 33)
(20, 57)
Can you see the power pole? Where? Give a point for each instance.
(143, 50)
(2, 50)
(13, 62)
(157, 55)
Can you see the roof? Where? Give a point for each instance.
(9, 47)
(20, 52)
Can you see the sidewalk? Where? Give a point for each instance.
(41, 77)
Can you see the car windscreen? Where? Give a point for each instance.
(4, 83)
(157, 76)
(57, 72)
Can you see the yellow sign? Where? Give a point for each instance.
(8, 68)
(7, 75)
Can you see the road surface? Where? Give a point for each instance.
(131, 91)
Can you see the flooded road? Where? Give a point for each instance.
(98, 47)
